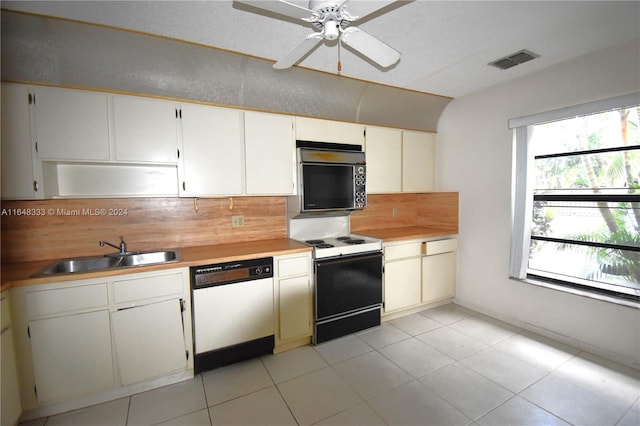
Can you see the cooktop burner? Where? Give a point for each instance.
(324, 245)
(351, 240)
(314, 242)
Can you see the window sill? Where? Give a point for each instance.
(578, 291)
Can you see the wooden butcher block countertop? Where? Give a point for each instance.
(407, 233)
(20, 274)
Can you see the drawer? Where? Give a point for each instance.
(4, 311)
(293, 266)
(440, 246)
(47, 302)
(147, 287)
(401, 251)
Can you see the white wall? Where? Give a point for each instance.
(474, 154)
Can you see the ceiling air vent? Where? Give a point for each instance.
(514, 59)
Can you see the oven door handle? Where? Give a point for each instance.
(342, 259)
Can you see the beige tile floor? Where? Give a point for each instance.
(444, 366)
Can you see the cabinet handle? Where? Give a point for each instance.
(184, 186)
(178, 153)
(35, 186)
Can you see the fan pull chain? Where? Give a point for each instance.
(339, 48)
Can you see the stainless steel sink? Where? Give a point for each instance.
(150, 258)
(111, 261)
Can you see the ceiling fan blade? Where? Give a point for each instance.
(280, 7)
(360, 9)
(371, 47)
(300, 51)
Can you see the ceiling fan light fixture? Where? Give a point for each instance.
(332, 20)
(331, 30)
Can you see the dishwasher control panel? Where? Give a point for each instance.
(231, 272)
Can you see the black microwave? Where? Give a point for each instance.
(331, 180)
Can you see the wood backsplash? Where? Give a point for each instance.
(66, 229)
(401, 210)
(439, 209)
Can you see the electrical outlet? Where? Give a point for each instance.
(394, 212)
(237, 221)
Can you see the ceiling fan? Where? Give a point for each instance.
(332, 18)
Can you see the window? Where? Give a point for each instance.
(577, 197)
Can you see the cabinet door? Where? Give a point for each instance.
(149, 341)
(18, 181)
(384, 160)
(295, 307)
(212, 151)
(438, 276)
(402, 284)
(145, 130)
(270, 153)
(71, 124)
(9, 389)
(71, 355)
(418, 161)
(320, 130)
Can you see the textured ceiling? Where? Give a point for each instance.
(445, 45)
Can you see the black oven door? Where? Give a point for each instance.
(348, 284)
(327, 187)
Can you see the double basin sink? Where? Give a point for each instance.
(110, 261)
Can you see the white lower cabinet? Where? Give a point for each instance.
(149, 341)
(71, 355)
(293, 299)
(97, 339)
(418, 272)
(10, 387)
(295, 307)
(439, 270)
(402, 279)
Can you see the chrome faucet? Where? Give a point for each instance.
(122, 247)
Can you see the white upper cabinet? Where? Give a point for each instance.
(71, 124)
(418, 161)
(320, 130)
(67, 143)
(145, 130)
(270, 154)
(383, 150)
(18, 179)
(212, 155)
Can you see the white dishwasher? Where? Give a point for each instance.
(232, 308)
